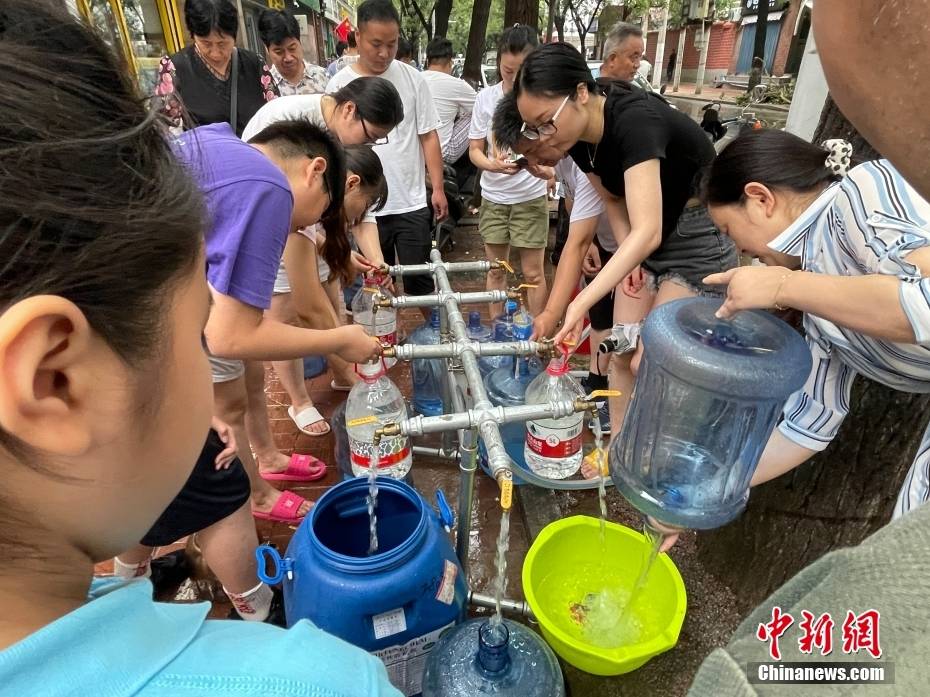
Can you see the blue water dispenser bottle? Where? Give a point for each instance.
(708, 394)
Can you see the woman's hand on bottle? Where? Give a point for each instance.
(751, 288)
(544, 325)
(572, 326)
(361, 264)
(355, 346)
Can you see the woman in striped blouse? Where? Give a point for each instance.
(850, 248)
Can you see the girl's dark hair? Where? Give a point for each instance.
(553, 70)
(376, 100)
(203, 16)
(95, 207)
(363, 161)
(275, 26)
(341, 47)
(517, 39)
(777, 159)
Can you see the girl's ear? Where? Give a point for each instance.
(46, 382)
(353, 182)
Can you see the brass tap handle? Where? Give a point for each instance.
(387, 431)
(502, 264)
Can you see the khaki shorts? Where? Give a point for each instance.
(517, 224)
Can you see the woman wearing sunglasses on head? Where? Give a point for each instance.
(643, 157)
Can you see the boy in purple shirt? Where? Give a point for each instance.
(291, 175)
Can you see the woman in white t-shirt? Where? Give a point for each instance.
(514, 203)
(361, 112)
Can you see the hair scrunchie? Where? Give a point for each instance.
(839, 158)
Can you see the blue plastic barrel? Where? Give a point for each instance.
(394, 603)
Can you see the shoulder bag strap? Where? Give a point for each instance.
(234, 90)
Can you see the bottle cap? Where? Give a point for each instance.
(371, 372)
(434, 318)
(474, 319)
(510, 307)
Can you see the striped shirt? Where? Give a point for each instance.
(866, 224)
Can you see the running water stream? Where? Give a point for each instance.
(373, 497)
(500, 581)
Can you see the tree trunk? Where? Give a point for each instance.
(762, 24)
(834, 125)
(521, 12)
(836, 499)
(474, 53)
(443, 12)
(550, 23)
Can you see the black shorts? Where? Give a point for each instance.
(694, 250)
(406, 238)
(208, 496)
(601, 313)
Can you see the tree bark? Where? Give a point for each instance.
(834, 125)
(474, 53)
(521, 12)
(762, 24)
(443, 12)
(836, 499)
(550, 23)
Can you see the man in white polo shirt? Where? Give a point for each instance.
(404, 224)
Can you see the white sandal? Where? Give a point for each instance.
(307, 417)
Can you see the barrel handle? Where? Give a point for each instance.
(282, 565)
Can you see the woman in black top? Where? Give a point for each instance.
(644, 158)
(195, 83)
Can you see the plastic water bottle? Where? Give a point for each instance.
(503, 323)
(480, 334)
(374, 402)
(427, 373)
(507, 387)
(476, 658)
(381, 323)
(553, 446)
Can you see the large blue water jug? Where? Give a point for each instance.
(427, 373)
(708, 395)
(476, 658)
(395, 603)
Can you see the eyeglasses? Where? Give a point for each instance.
(374, 141)
(544, 129)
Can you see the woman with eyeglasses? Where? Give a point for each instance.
(643, 157)
(203, 82)
(360, 113)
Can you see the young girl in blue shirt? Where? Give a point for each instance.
(105, 391)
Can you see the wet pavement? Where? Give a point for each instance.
(710, 619)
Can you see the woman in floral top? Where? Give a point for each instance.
(194, 83)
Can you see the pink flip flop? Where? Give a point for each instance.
(300, 468)
(284, 510)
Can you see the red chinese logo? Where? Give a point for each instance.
(816, 633)
(773, 631)
(861, 632)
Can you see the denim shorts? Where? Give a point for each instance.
(694, 250)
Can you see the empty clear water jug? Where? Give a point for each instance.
(427, 373)
(708, 395)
